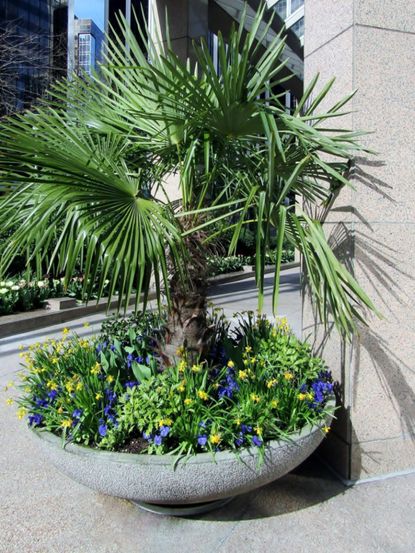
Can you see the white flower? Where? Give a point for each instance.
(9, 283)
(22, 283)
(41, 283)
(55, 282)
(15, 287)
(3, 291)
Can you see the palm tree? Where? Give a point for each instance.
(86, 173)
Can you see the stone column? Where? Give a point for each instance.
(187, 19)
(370, 46)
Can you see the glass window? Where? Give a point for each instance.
(295, 4)
(281, 8)
(298, 27)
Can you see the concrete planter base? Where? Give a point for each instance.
(152, 479)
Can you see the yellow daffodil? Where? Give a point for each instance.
(301, 396)
(248, 349)
(196, 368)
(60, 410)
(215, 439)
(67, 423)
(243, 375)
(96, 369)
(65, 331)
(255, 398)
(288, 375)
(202, 395)
(86, 325)
(258, 430)
(182, 366)
(274, 403)
(21, 413)
(271, 383)
(9, 401)
(326, 429)
(79, 387)
(110, 379)
(231, 364)
(188, 401)
(52, 385)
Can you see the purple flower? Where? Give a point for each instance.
(239, 442)
(202, 424)
(102, 429)
(41, 402)
(202, 439)
(147, 437)
(164, 431)
(112, 347)
(256, 441)
(111, 395)
(246, 429)
(158, 440)
(77, 413)
(35, 419)
(52, 394)
(131, 384)
(139, 359)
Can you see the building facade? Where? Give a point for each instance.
(88, 46)
(33, 49)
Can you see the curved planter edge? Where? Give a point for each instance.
(201, 478)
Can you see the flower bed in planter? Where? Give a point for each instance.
(259, 396)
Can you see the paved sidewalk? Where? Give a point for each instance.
(42, 511)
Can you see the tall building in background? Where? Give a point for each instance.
(33, 49)
(292, 12)
(88, 45)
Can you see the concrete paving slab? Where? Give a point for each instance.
(42, 511)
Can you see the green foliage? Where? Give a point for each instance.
(90, 178)
(219, 265)
(260, 383)
(18, 295)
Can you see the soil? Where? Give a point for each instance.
(134, 445)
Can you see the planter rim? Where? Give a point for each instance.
(168, 459)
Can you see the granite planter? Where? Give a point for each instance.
(157, 483)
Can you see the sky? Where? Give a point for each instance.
(90, 9)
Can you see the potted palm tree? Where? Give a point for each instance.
(86, 174)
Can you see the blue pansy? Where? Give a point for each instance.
(202, 440)
(35, 419)
(164, 431)
(41, 402)
(256, 441)
(246, 429)
(102, 429)
(52, 394)
(158, 440)
(131, 384)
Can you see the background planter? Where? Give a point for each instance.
(151, 479)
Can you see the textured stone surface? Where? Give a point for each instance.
(153, 479)
(334, 15)
(377, 223)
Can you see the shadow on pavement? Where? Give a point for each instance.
(307, 485)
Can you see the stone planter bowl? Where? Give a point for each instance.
(152, 482)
